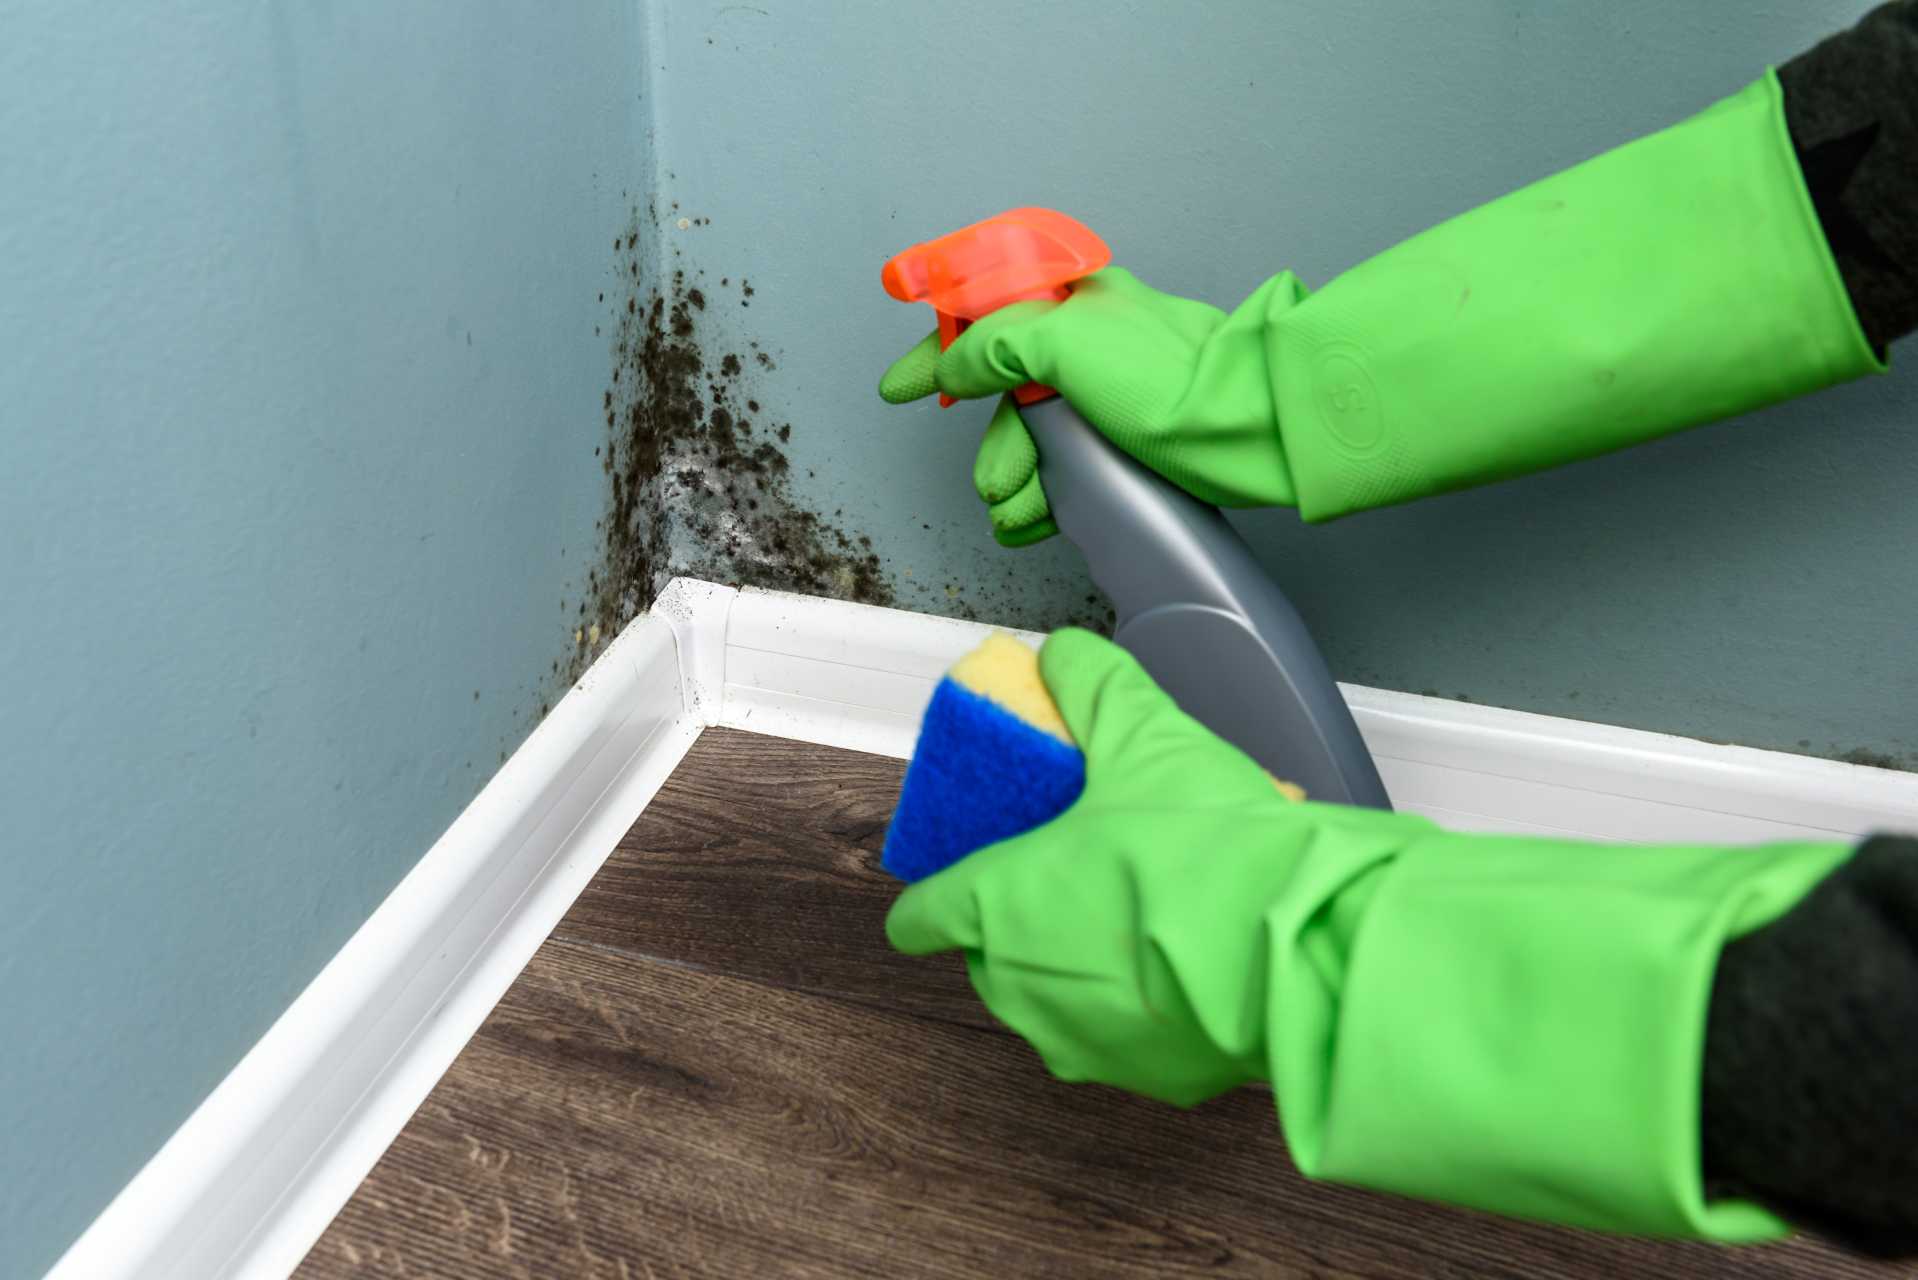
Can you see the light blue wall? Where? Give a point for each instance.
(299, 387)
(1756, 581)
(302, 381)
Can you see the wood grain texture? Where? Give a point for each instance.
(760, 858)
(705, 1072)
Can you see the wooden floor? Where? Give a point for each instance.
(715, 1066)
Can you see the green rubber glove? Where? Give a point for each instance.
(1676, 280)
(1509, 1023)
(1177, 384)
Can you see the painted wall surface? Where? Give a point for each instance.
(1754, 581)
(313, 345)
(299, 387)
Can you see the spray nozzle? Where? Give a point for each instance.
(1015, 256)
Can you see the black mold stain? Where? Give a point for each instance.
(1876, 759)
(696, 483)
(1007, 598)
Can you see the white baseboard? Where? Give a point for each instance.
(255, 1174)
(246, 1185)
(854, 676)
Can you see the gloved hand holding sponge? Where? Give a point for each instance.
(1678, 279)
(1513, 1023)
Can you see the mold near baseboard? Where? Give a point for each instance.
(1875, 759)
(698, 473)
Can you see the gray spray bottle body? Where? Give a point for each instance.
(1199, 612)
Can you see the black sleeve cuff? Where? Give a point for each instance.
(1810, 1102)
(1851, 104)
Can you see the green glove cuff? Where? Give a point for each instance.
(1516, 1024)
(1673, 281)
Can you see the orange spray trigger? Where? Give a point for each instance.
(1015, 256)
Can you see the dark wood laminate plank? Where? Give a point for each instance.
(717, 1067)
(625, 1117)
(760, 858)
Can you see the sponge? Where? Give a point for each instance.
(993, 760)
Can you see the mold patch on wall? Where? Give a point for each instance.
(698, 476)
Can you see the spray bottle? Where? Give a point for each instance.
(1193, 605)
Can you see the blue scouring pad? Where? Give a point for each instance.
(993, 760)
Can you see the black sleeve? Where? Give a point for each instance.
(1810, 1090)
(1851, 104)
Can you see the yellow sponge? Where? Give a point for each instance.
(1007, 672)
(994, 759)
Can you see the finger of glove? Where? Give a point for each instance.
(1031, 341)
(913, 376)
(942, 911)
(1007, 461)
(1024, 510)
(1131, 729)
(1024, 535)
(1102, 692)
(1106, 349)
(1005, 473)
(994, 353)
